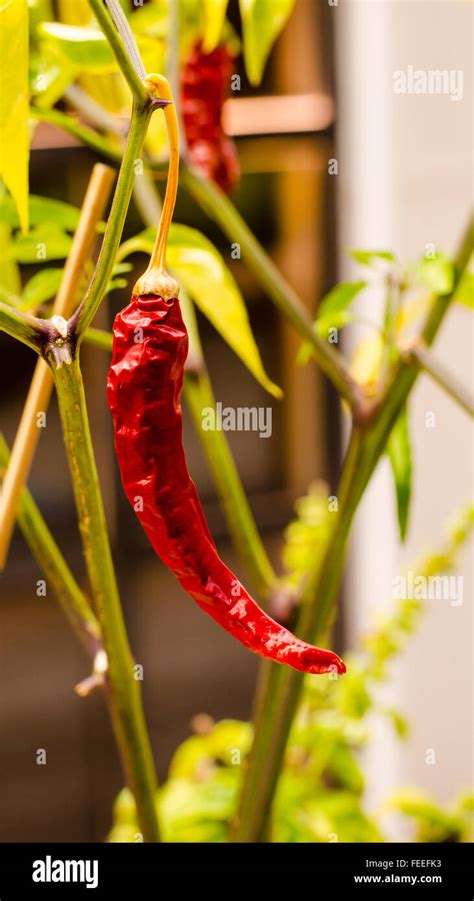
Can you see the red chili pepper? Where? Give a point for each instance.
(204, 84)
(144, 394)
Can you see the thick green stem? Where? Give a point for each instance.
(121, 52)
(461, 394)
(219, 208)
(278, 692)
(125, 696)
(53, 565)
(27, 329)
(87, 136)
(279, 687)
(116, 220)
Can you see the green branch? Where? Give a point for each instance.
(115, 223)
(124, 691)
(420, 356)
(27, 329)
(87, 136)
(122, 53)
(52, 563)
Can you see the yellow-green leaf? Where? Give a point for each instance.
(14, 135)
(82, 46)
(399, 453)
(262, 22)
(465, 290)
(211, 285)
(214, 15)
(202, 272)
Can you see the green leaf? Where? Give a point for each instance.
(42, 210)
(203, 273)
(10, 278)
(199, 752)
(41, 287)
(14, 106)
(398, 721)
(262, 22)
(437, 274)
(214, 16)
(339, 298)
(344, 769)
(465, 291)
(306, 536)
(399, 453)
(367, 257)
(333, 312)
(151, 19)
(211, 285)
(82, 46)
(44, 243)
(50, 75)
(198, 812)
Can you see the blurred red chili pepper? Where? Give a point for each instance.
(144, 394)
(204, 84)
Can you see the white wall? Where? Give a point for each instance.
(404, 181)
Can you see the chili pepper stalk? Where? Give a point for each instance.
(156, 280)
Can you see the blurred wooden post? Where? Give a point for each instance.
(302, 217)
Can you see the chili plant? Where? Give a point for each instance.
(146, 377)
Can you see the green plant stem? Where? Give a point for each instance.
(27, 329)
(124, 691)
(98, 337)
(121, 52)
(425, 360)
(126, 33)
(116, 220)
(52, 563)
(87, 136)
(221, 210)
(279, 689)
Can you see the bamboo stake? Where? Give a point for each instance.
(27, 436)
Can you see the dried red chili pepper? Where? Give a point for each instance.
(205, 81)
(144, 395)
